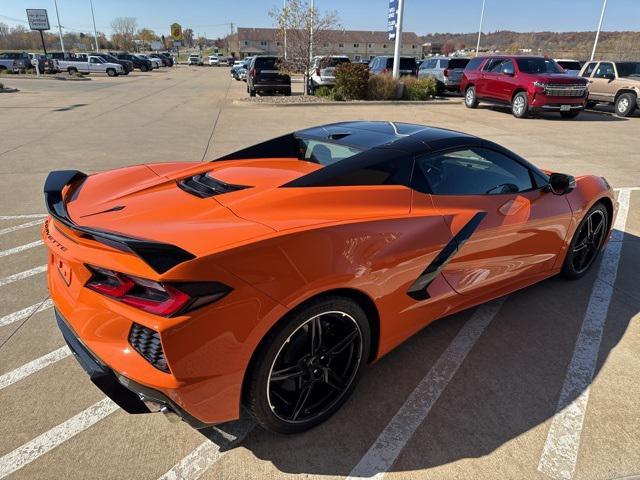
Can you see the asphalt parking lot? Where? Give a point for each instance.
(540, 384)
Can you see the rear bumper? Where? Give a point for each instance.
(262, 87)
(129, 395)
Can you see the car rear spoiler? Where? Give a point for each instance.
(159, 256)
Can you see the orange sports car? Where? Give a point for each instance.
(269, 278)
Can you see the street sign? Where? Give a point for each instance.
(392, 19)
(176, 32)
(38, 19)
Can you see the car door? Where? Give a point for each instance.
(508, 228)
(500, 76)
(484, 87)
(95, 65)
(602, 83)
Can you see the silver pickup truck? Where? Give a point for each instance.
(90, 64)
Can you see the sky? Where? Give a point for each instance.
(212, 17)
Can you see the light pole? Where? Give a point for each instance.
(595, 43)
(95, 33)
(313, 15)
(59, 27)
(396, 52)
(480, 28)
(286, 21)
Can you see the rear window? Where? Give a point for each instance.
(474, 63)
(407, 64)
(570, 65)
(324, 153)
(458, 62)
(267, 63)
(628, 69)
(538, 65)
(333, 62)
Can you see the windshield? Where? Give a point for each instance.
(407, 63)
(324, 153)
(628, 69)
(458, 63)
(538, 65)
(567, 65)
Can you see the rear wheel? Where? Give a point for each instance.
(307, 368)
(144, 68)
(625, 104)
(520, 105)
(587, 242)
(72, 70)
(287, 92)
(470, 98)
(252, 92)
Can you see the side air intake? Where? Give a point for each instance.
(205, 186)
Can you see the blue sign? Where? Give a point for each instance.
(392, 19)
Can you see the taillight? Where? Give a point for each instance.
(318, 72)
(252, 72)
(159, 298)
(446, 72)
(386, 70)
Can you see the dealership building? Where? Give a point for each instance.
(356, 44)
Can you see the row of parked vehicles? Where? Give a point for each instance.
(110, 63)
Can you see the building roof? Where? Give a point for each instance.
(334, 36)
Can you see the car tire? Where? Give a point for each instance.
(625, 104)
(144, 68)
(111, 72)
(591, 104)
(343, 346)
(72, 70)
(520, 105)
(570, 114)
(439, 89)
(587, 242)
(287, 92)
(470, 97)
(252, 92)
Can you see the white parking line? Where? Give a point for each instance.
(560, 451)
(20, 217)
(21, 275)
(21, 248)
(59, 434)
(33, 366)
(20, 227)
(25, 312)
(195, 463)
(385, 450)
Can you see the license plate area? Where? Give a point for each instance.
(565, 108)
(63, 269)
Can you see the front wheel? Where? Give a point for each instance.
(625, 104)
(307, 368)
(111, 72)
(470, 98)
(520, 105)
(586, 243)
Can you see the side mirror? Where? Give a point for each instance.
(611, 77)
(508, 71)
(560, 183)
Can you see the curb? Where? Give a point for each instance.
(44, 77)
(8, 90)
(362, 103)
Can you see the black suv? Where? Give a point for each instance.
(142, 63)
(264, 76)
(166, 59)
(384, 64)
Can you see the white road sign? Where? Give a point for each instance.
(38, 19)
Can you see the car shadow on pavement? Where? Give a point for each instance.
(585, 116)
(509, 383)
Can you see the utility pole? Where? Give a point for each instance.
(95, 33)
(313, 16)
(595, 43)
(480, 29)
(59, 27)
(397, 51)
(286, 21)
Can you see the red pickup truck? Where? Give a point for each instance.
(527, 84)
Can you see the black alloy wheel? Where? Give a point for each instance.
(310, 367)
(587, 242)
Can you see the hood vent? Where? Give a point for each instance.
(205, 186)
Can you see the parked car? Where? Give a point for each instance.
(195, 59)
(224, 61)
(156, 62)
(169, 57)
(572, 67)
(616, 83)
(166, 61)
(8, 64)
(90, 64)
(264, 76)
(527, 84)
(268, 287)
(446, 71)
(384, 64)
(214, 61)
(239, 68)
(18, 61)
(127, 65)
(45, 64)
(143, 64)
(320, 73)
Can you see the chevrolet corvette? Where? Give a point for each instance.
(267, 280)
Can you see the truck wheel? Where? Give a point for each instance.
(144, 68)
(111, 72)
(470, 98)
(72, 70)
(625, 104)
(252, 92)
(520, 105)
(287, 92)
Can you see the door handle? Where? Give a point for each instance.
(511, 207)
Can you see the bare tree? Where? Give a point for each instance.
(124, 30)
(304, 28)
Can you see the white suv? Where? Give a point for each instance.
(214, 60)
(321, 71)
